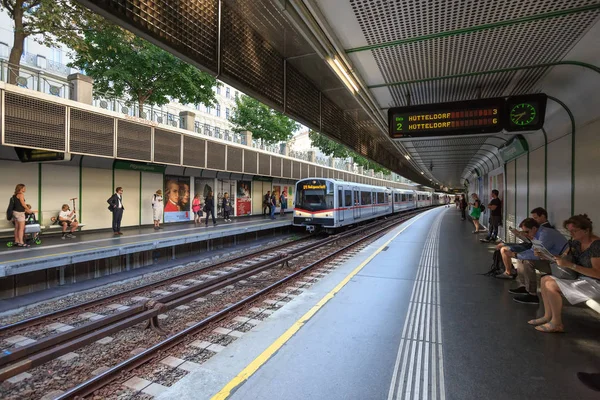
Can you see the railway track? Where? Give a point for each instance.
(238, 278)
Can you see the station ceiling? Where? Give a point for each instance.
(337, 66)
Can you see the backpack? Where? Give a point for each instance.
(10, 209)
(481, 207)
(497, 266)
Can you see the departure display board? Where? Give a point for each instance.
(446, 119)
(483, 116)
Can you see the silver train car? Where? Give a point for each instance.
(329, 204)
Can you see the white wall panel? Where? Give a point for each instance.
(12, 174)
(536, 178)
(151, 182)
(59, 184)
(521, 187)
(559, 180)
(96, 188)
(587, 171)
(130, 182)
(510, 197)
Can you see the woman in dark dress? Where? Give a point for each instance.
(209, 208)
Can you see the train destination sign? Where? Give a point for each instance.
(470, 117)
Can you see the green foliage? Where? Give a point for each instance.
(265, 123)
(124, 65)
(334, 149)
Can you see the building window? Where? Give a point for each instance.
(56, 55)
(208, 109)
(228, 93)
(218, 110)
(218, 89)
(236, 94)
(227, 112)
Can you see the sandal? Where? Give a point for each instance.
(549, 327)
(538, 321)
(22, 245)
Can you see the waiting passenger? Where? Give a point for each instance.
(18, 214)
(551, 239)
(273, 205)
(226, 207)
(115, 206)
(157, 209)
(463, 207)
(197, 209)
(283, 202)
(541, 216)
(495, 207)
(476, 212)
(209, 208)
(583, 258)
(66, 218)
(528, 261)
(267, 203)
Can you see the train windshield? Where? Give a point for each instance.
(314, 195)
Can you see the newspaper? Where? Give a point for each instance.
(543, 252)
(520, 235)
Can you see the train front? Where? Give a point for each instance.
(314, 206)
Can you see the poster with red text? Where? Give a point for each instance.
(243, 200)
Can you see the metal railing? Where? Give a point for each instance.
(36, 79)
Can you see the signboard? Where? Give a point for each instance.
(177, 198)
(444, 119)
(35, 155)
(472, 117)
(136, 166)
(514, 148)
(243, 200)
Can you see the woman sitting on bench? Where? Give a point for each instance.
(66, 218)
(585, 253)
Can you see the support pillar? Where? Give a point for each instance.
(246, 138)
(312, 156)
(188, 119)
(82, 87)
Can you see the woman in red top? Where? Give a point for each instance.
(196, 209)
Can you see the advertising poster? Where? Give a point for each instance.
(177, 198)
(243, 200)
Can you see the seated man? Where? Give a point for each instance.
(66, 218)
(528, 262)
(541, 217)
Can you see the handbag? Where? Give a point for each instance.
(562, 272)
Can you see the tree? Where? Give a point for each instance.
(334, 149)
(124, 65)
(57, 21)
(265, 123)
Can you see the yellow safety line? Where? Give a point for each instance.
(102, 247)
(281, 340)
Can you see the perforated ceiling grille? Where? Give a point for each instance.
(250, 162)
(264, 164)
(302, 97)
(134, 141)
(34, 123)
(190, 27)
(215, 156)
(417, 18)
(91, 133)
(275, 166)
(167, 147)
(249, 59)
(234, 159)
(194, 151)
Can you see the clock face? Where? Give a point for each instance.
(523, 114)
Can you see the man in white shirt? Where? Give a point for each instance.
(66, 218)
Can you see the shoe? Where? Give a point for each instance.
(486, 240)
(119, 233)
(214, 224)
(155, 228)
(160, 227)
(592, 381)
(527, 299)
(519, 290)
(504, 276)
(63, 237)
(116, 234)
(71, 236)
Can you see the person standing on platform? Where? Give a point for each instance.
(19, 209)
(463, 207)
(495, 207)
(197, 209)
(226, 207)
(209, 208)
(115, 205)
(476, 212)
(283, 202)
(267, 203)
(272, 205)
(157, 209)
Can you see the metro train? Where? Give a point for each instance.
(329, 204)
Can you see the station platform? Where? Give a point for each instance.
(90, 246)
(408, 317)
